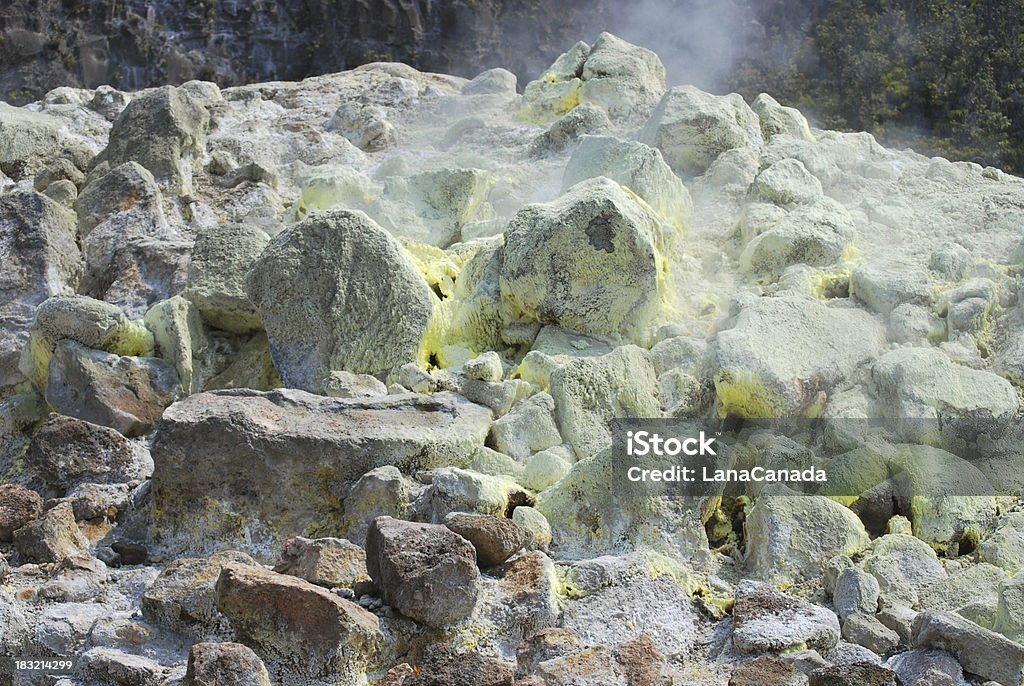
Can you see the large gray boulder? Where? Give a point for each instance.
(589, 392)
(163, 130)
(134, 257)
(282, 460)
(639, 167)
(929, 395)
(766, 620)
(781, 356)
(338, 292)
(121, 392)
(981, 652)
(40, 257)
(28, 140)
(692, 128)
(216, 276)
(591, 261)
(791, 536)
(623, 78)
(425, 571)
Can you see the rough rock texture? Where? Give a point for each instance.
(782, 356)
(293, 623)
(124, 393)
(692, 128)
(212, 664)
(980, 651)
(41, 258)
(301, 449)
(495, 538)
(425, 571)
(611, 284)
(52, 537)
(337, 292)
(327, 562)
(769, 621)
(216, 276)
(183, 597)
(66, 451)
(18, 507)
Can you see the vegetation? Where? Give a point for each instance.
(943, 76)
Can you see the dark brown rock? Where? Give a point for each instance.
(641, 661)
(292, 622)
(223, 664)
(184, 597)
(442, 666)
(425, 571)
(765, 671)
(18, 507)
(66, 451)
(52, 537)
(859, 674)
(495, 538)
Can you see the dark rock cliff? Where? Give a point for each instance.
(132, 44)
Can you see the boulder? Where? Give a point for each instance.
(342, 384)
(927, 668)
(868, 632)
(622, 78)
(545, 469)
(111, 666)
(323, 561)
(590, 261)
(28, 140)
(215, 664)
(163, 130)
(283, 459)
(935, 400)
(591, 391)
(66, 451)
(180, 339)
(491, 82)
(379, 492)
(443, 665)
(639, 167)
(855, 591)
(495, 538)
(425, 571)
(126, 187)
(766, 671)
(781, 356)
(692, 128)
(1004, 548)
(93, 323)
(41, 258)
(183, 598)
(775, 119)
(786, 183)
(216, 276)
(904, 566)
(292, 622)
(133, 257)
(792, 536)
(337, 292)
(767, 621)
(127, 394)
(857, 674)
(18, 507)
(52, 537)
(817, 234)
(885, 284)
(982, 652)
(581, 120)
(530, 427)
(365, 125)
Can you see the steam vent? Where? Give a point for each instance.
(398, 378)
